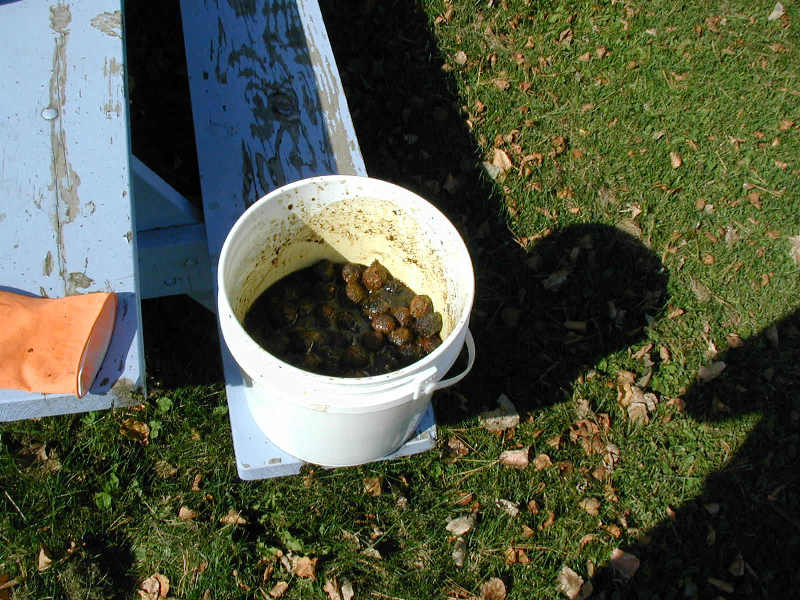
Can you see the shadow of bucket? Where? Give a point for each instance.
(336, 421)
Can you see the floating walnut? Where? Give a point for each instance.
(344, 320)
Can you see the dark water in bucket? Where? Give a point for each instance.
(369, 325)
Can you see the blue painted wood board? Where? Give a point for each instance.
(268, 109)
(66, 219)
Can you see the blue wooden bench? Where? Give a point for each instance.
(80, 213)
(66, 220)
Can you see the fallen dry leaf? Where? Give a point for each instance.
(776, 13)
(610, 493)
(510, 508)
(736, 568)
(630, 226)
(590, 505)
(587, 433)
(586, 57)
(460, 525)
(542, 461)
(549, 520)
(721, 585)
(527, 532)
(572, 585)
(305, 567)
(677, 403)
(279, 589)
(794, 248)
(347, 590)
(637, 414)
(164, 470)
(6, 584)
(675, 159)
(464, 498)
(43, 561)
(234, 517)
(460, 57)
(517, 459)
(613, 530)
(373, 485)
(373, 553)
(331, 588)
(154, 587)
(501, 84)
(501, 160)
(135, 431)
(559, 144)
(711, 371)
(624, 563)
(459, 552)
(587, 539)
(700, 290)
(186, 514)
(505, 416)
(494, 589)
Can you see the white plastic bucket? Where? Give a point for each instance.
(337, 421)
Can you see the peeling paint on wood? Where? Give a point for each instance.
(65, 180)
(112, 71)
(77, 281)
(48, 264)
(109, 23)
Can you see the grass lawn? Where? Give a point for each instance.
(626, 176)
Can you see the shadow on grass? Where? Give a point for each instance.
(541, 317)
(736, 539)
(531, 340)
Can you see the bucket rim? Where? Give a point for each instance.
(356, 386)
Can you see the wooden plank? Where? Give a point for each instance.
(268, 109)
(256, 82)
(173, 260)
(66, 223)
(158, 204)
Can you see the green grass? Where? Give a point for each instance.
(694, 488)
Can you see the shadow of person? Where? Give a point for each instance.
(580, 294)
(740, 537)
(540, 316)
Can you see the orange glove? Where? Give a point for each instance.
(54, 345)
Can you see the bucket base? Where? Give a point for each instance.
(258, 458)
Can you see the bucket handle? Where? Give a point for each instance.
(438, 385)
